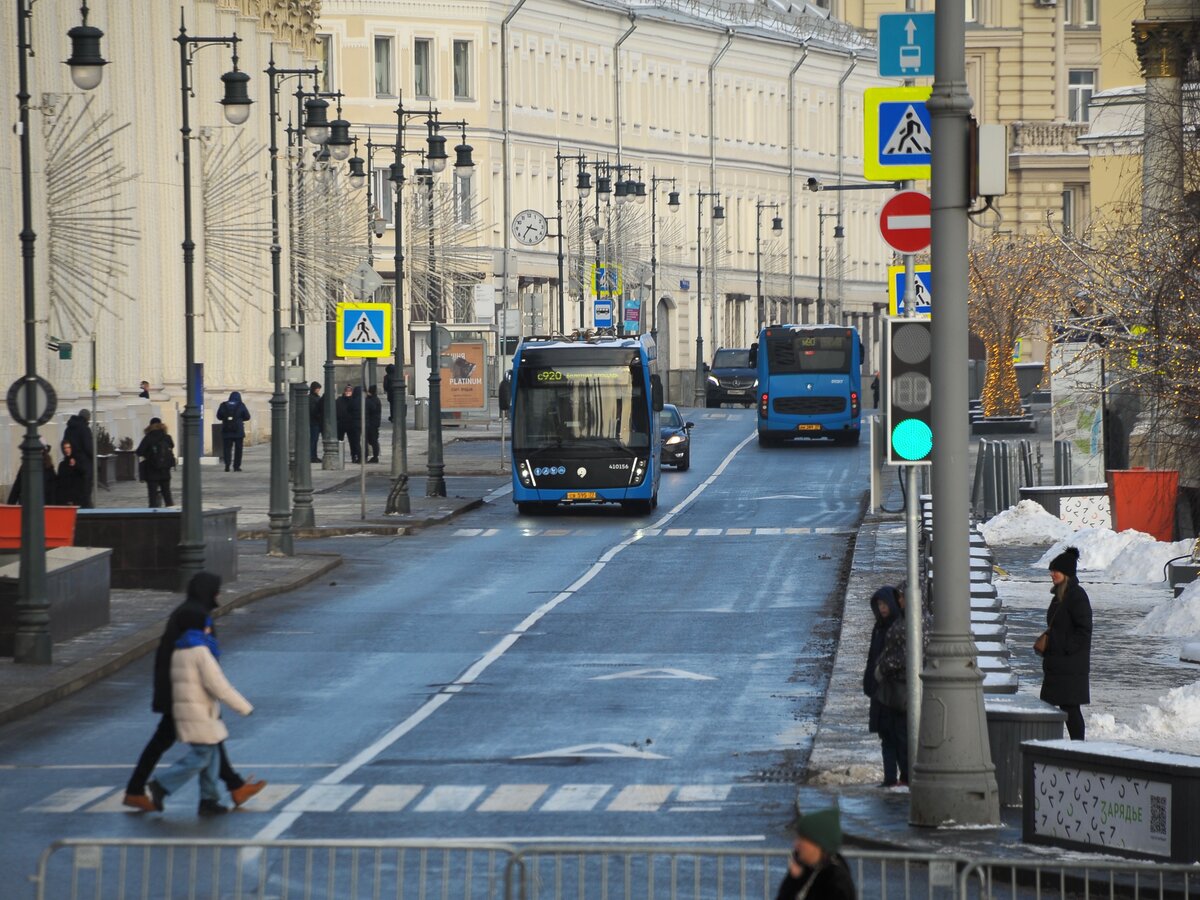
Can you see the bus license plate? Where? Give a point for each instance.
(808, 427)
(581, 495)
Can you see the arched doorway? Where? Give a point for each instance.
(664, 338)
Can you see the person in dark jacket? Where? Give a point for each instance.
(71, 485)
(889, 723)
(374, 420)
(1066, 662)
(157, 454)
(875, 391)
(341, 407)
(816, 870)
(79, 433)
(349, 419)
(316, 419)
(233, 416)
(389, 378)
(202, 593)
(49, 481)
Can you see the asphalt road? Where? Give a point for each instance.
(585, 675)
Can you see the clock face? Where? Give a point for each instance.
(529, 227)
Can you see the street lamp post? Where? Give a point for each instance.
(237, 109)
(673, 205)
(838, 234)
(559, 159)
(718, 217)
(776, 230)
(31, 642)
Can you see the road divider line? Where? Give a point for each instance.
(283, 821)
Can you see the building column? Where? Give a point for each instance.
(1160, 46)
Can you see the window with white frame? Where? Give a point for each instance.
(325, 61)
(1080, 85)
(423, 68)
(385, 77)
(1088, 12)
(971, 13)
(463, 205)
(383, 193)
(462, 71)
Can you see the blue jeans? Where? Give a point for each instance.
(202, 759)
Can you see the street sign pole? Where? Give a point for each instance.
(953, 779)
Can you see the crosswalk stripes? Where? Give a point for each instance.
(442, 798)
(758, 531)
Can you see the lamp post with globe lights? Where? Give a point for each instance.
(718, 219)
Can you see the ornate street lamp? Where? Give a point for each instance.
(673, 205)
(776, 230)
(718, 218)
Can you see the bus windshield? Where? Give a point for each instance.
(793, 353)
(577, 403)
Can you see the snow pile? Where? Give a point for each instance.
(1097, 547)
(1144, 560)
(1175, 716)
(1175, 616)
(1026, 524)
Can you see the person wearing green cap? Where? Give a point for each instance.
(816, 870)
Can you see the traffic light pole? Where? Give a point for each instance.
(953, 779)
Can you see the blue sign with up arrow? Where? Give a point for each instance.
(906, 45)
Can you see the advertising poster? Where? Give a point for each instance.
(1101, 809)
(1076, 408)
(463, 382)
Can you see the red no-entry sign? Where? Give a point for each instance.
(904, 222)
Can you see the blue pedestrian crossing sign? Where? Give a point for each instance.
(906, 45)
(922, 289)
(897, 134)
(364, 329)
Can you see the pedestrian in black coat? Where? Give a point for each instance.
(316, 419)
(1066, 661)
(349, 416)
(389, 379)
(890, 723)
(71, 485)
(157, 454)
(816, 870)
(202, 594)
(374, 420)
(233, 416)
(49, 481)
(79, 433)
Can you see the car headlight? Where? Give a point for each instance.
(676, 439)
(714, 381)
(756, 383)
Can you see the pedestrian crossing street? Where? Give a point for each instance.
(441, 798)
(653, 532)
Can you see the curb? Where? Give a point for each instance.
(371, 526)
(134, 646)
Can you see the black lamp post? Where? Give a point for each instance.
(718, 218)
(584, 190)
(776, 230)
(673, 205)
(31, 642)
(237, 109)
(838, 234)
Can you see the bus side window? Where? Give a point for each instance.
(754, 355)
(656, 392)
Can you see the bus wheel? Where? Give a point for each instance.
(529, 509)
(765, 440)
(638, 507)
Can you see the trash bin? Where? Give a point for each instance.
(1011, 719)
(421, 415)
(1144, 500)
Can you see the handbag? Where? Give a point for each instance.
(891, 693)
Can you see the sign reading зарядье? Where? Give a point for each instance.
(1102, 809)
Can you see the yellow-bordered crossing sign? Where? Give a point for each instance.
(364, 329)
(896, 134)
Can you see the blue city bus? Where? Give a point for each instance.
(585, 422)
(809, 383)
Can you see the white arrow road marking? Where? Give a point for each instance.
(655, 673)
(609, 751)
(901, 223)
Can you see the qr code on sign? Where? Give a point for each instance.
(1158, 815)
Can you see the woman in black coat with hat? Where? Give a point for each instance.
(1066, 659)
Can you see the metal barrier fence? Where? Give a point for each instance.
(999, 879)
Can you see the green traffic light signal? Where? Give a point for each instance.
(912, 439)
(909, 379)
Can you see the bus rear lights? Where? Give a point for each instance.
(853, 404)
(763, 405)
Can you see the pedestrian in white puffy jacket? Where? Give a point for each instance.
(198, 687)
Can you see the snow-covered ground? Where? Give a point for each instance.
(1141, 693)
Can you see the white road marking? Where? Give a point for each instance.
(655, 673)
(285, 820)
(678, 532)
(498, 492)
(513, 798)
(575, 798)
(112, 804)
(323, 798)
(68, 799)
(641, 798)
(450, 798)
(387, 798)
(468, 532)
(708, 532)
(738, 532)
(491, 532)
(605, 751)
(703, 793)
(768, 531)
(270, 796)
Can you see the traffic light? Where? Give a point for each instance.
(908, 377)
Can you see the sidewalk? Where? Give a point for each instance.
(473, 469)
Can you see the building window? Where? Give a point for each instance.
(1068, 211)
(1081, 84)
(384, 72)
(1068, 12)
(462, 70)
(463, 206)
(422, 68)
(972, 14)
(383, 193)
(1089, 12)
(325, 61)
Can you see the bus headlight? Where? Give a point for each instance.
(525, 473)
(638, 475)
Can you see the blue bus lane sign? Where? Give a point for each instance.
(906, 45)
(897, 137)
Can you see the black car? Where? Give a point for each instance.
(676, 438)
(731, 379)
